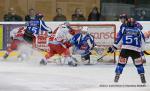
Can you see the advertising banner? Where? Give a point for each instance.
(102, 31)
(6, 31)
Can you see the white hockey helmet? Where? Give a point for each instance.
(84, 29)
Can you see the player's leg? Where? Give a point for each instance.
(86, 57)
(25, 50)
(49, 54)
(121, 64)
(68, 58)
(28, 36)
(143, 57)
(138, 62)
(13, 46)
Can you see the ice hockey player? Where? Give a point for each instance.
(124, 18)
(132, 40)
(32, 29)
(83, 42)
(60, 43)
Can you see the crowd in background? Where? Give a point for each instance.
(78, 15)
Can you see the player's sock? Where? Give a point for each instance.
(119, 68)
(142, 76)
(140, 69)
(117, 76)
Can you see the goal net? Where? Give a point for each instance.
(104, 37)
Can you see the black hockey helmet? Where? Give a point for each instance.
(39, 16)
(123, 16)
(131, 22)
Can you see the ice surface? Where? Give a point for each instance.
(28, 75)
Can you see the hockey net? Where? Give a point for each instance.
(104, 36)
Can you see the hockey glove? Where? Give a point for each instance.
(111, 49)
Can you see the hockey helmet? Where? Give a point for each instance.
(84, 29)
(39, 16)
(123, 16)
(131, 22)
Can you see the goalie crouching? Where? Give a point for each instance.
(83, 43)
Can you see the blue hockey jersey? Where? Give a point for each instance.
(83, 43)
(137, 24)
(130, 38)
(35, 26)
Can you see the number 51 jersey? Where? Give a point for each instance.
(130, 38)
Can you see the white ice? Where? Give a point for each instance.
(28, 75)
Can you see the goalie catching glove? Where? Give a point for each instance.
(111, 49)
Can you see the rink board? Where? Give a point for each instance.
(1, 36)
(15, 53)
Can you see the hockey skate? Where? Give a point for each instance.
(117, 78)
(142, 76)
(5, 56)
(73, 62)
(43, 62)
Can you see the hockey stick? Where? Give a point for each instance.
(145, 52)
(101, 58)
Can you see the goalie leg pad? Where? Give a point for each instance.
(86, 57)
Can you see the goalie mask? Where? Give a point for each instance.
(84, 29)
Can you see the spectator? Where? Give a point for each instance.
(94, 15)
(78, 15)
(59, 16)
(141, 16)
(12, 16)
(31, 15)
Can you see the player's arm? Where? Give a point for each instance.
(91, 42)
(44, 27)
(75, 39)
(138, 25)
(118, 41)
(142, 40)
